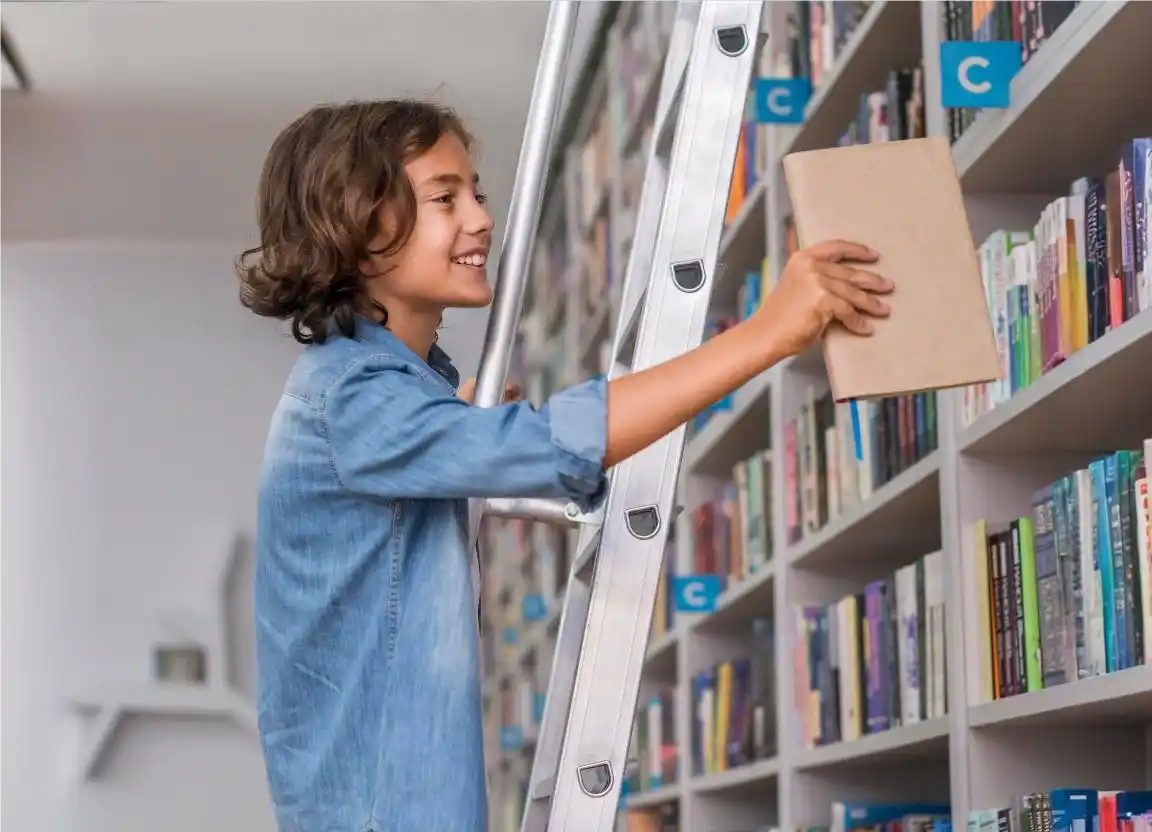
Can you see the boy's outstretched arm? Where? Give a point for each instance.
(393, 434)
(817, 287)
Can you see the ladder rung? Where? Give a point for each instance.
(544, 789)
(629, 329)
(529, 508)
(666, 120)
(582, 566)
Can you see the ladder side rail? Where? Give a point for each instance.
(638, 270)
(573, 614)
(524, 211)
(641, 499)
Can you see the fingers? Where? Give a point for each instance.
(838, 250)
(860, 299)
(849, 315)
(860, 278)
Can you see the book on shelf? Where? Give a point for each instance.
(730, 535)
(1065, 591)
(733, 707)
(1068, 809)
(824, 478)
(874, 660)
(663, 818)
(818, 33)
(1080, 271)
(653, 744)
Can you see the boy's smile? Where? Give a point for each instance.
(475, 260)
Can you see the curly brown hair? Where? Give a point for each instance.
(318, 206)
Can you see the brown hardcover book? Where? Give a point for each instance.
(903, 200)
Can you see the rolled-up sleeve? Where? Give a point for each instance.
(395, 434)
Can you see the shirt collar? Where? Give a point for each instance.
(371, 332)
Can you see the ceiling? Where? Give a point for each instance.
(278, 51)
(150, 120)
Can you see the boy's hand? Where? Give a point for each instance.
(467, 392)
(821, 284)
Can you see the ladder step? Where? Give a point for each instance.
(528, 508)
(586, 559)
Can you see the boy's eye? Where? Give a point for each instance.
(482, 198)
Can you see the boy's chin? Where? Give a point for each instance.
(473, 298)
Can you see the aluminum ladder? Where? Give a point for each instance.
(604, 626)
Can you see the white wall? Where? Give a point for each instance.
(136, 397)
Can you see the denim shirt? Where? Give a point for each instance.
(367, 646)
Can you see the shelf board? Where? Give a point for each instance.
(753, 774)
(1121, 698)
(1092, 73)
(902, 516)
(919, 741)
(887, 37)
(653, 797)
(112, 704)
(660, 659)
(751, 598)
(1094, 401)
(730, 436)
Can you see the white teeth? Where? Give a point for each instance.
(470, 260)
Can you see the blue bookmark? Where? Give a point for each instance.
(857, 440)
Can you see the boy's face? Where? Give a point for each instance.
(444, 262)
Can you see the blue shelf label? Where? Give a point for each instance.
(696, 593)
(978, 74)
(782, 100)
(511, 737)
(533, 607)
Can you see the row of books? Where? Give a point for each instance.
(734, 707)
(750, 166)
(1065, 810)
(1028, 22)
(1065, 592)
(653, 744)
(1081, 271)
(891, 114)
(819, 31)
(872, 661)
(823, 475)
(731, 534)
(751, 149)
(889, 817)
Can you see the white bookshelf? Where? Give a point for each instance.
(1073, 103)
